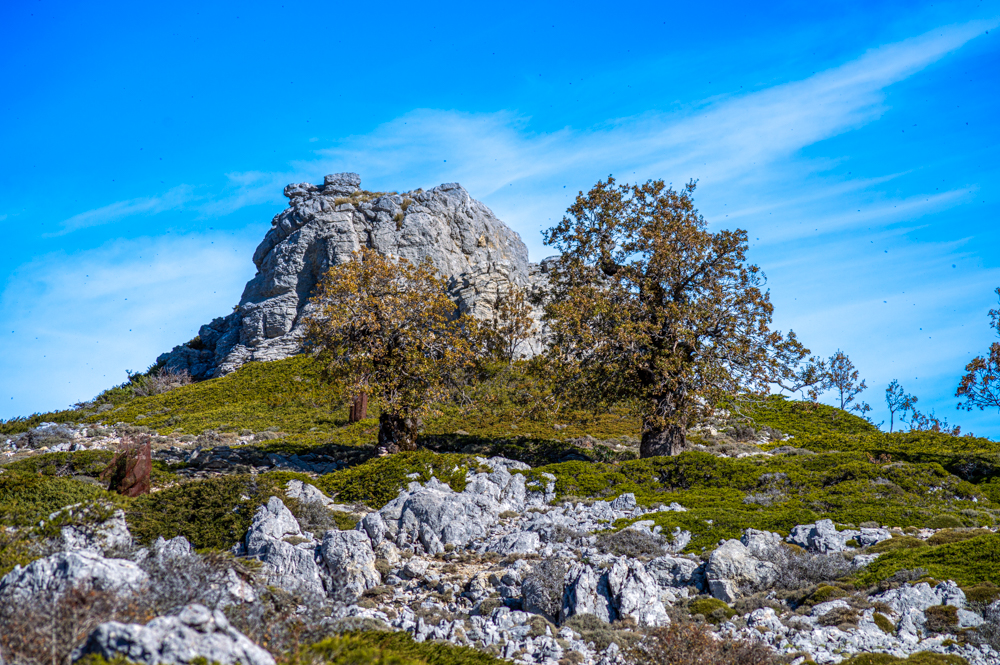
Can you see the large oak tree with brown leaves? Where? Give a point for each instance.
(646, 303)
(386, 328)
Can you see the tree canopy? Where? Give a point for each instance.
(646, 303)
(980, 386)
(385, 327)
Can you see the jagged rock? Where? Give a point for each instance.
(288, 555)
(351, 563)
(175, 548)
(672, 572)
(733, 570)
(521, 542)
(62, 571)
(764, 545)
(477, 253)
(822, 537)
(587, 593)
(306, 493)
(634, 593)
(625, 590)
(193, 633)
(625, 502)
(870, 536)
(109, 535)
(921, 596)
(414, 569)
(433, 515)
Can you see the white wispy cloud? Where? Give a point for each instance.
(76, 323)
(520, 172)
(172, 199)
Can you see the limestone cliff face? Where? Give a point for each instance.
(322, 227)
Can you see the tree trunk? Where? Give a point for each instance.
(669, 441)
(359, 408)
(396, 433)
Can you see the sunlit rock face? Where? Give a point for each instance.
(321, 227)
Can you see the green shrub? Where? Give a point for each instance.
(941, 618)
(713, 609)
(897, 543)
(798, 418)
(212, 513)
(944, 522)
(884, 623)
(390, 648)
(594, 629)
(956, 535)
(919, 658)
(27, 498)
(983, 593)
(825, 593)
(969, 562)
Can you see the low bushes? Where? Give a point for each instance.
(692, 644)
(969, 562)
(212, 513)
(27, 498)
(378, 481)
(390, 648)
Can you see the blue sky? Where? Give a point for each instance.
(145, 148)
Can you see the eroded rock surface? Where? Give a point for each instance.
(192, 633)
(63, 571)
(322, 226)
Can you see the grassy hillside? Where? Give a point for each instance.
(835, 466)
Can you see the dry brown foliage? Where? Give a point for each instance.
(695, 644)
(646, 303)
(128, 473)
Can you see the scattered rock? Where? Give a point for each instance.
(733, 570)
(288, 555)
(192, 633)
(63, 571)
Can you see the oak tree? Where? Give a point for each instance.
(646, 303)
(980, 387)
(502, 334)
(385, 328)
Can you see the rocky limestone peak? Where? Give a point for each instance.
(321, 227)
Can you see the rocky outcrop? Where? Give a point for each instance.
(733, 570)
(288, 554)
(626, 589)
(110, 535)
(85, 569)
(433, 515)
(824, 537)
(193, 633)
(323, 225)
(350, 563)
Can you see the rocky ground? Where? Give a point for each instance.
(503, 566)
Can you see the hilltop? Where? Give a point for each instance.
(524, 527)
